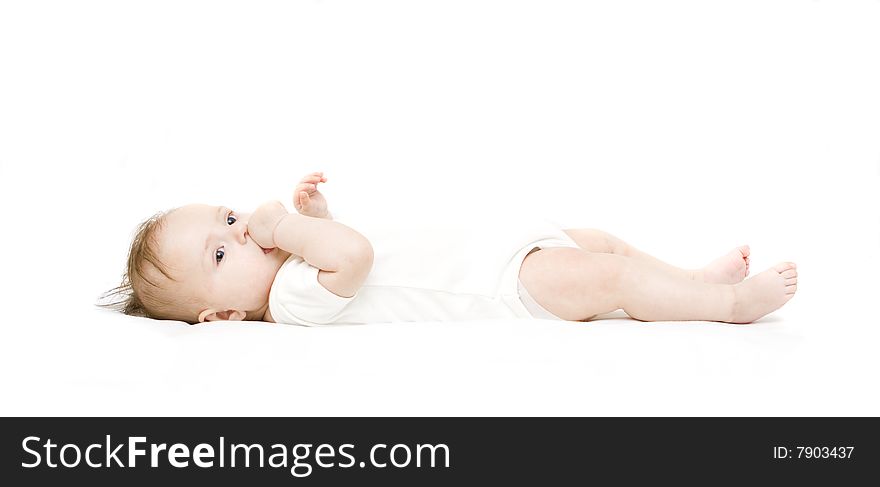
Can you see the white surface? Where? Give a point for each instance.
(684, 128)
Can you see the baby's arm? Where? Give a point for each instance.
(344, 256)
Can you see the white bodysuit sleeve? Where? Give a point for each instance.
(297, 297)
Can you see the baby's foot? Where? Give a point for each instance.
(764, 293)
(728, 269)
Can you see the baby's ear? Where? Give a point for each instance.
(228, 315)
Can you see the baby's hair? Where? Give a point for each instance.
(139, 294)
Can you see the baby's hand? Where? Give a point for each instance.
(262, 223)
(307, 199)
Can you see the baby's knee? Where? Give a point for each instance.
(611, 271)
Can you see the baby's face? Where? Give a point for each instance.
(209, 250)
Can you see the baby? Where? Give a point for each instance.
(201, 263)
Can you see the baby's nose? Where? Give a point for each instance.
(240, 232)
(243, 219)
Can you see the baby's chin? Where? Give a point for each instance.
(277, 259)
(264, 269)
(279, 256)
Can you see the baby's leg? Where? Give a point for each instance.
(576, 285)
(730, 268)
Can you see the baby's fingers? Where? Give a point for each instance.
(307, 187)
(304, 199)
(316, 177)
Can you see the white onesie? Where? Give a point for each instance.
(465, 271)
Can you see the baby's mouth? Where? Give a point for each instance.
(266, 251)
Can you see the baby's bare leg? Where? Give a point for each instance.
(596, 240)
(730, 268)
(576, 285)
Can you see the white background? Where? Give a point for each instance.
(685, 128)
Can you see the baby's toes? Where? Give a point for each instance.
(789, 273)
(784, 267)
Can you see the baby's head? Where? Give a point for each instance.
(197, 263)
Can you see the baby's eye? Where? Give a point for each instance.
(231, 217)
(218, 255)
